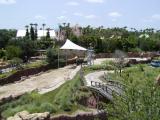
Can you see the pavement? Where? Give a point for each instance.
(95, 77)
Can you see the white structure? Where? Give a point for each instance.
(41, 33)
(21, 33)
(71, 46)
(144, 35)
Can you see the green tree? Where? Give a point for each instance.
(52, 57)
(48, 33)
(27, 46)
(13, 51)
(5, 36)
(27, 31)
(32, 33)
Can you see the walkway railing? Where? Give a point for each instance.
(105, 90)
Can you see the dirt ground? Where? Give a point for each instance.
(43, 83)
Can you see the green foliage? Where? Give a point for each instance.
(4, 75)
(32, 33)
(27, 46)
(58, 101)
(48, 107)
(35, 64)
(2, 53)
(13, 51)
(142, 95)
(45, 43)
(16, 62)
(5, 36)
(52, 57)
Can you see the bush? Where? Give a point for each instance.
(13, 51)
(2, 53)
(47, 107)
(66, 106)
(16, 62)
(52, 57)
(27, 46)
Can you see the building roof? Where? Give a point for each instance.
(41, 33)
(21, 33)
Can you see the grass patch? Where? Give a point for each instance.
(61, 100)
(142, 94)
(35, 64)
(4, 75)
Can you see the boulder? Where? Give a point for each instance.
(14, 118)
(24, 115)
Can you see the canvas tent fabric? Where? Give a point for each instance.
(72, 46)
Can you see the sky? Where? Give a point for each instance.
(139, 14)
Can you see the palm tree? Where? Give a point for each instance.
(43, 28)
(68, 31)
(36, 25)
(64, 24)
(32, 32)
(31, 24)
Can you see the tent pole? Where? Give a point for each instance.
(58, 58)
(66, 58)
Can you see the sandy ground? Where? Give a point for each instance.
(45, 82)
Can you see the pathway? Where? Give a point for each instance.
(43, 83)
(93, 81)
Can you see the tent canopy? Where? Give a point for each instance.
(72, 46)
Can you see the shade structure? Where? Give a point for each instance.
(72, 46)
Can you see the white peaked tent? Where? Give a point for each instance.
(70, 46)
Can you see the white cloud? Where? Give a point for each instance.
(90, 16)
(95, 1)
(7, 2)
(62, 17)
(73, 3)
(114, 14)
(156, 16)
(39, 17)
(78, 14)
